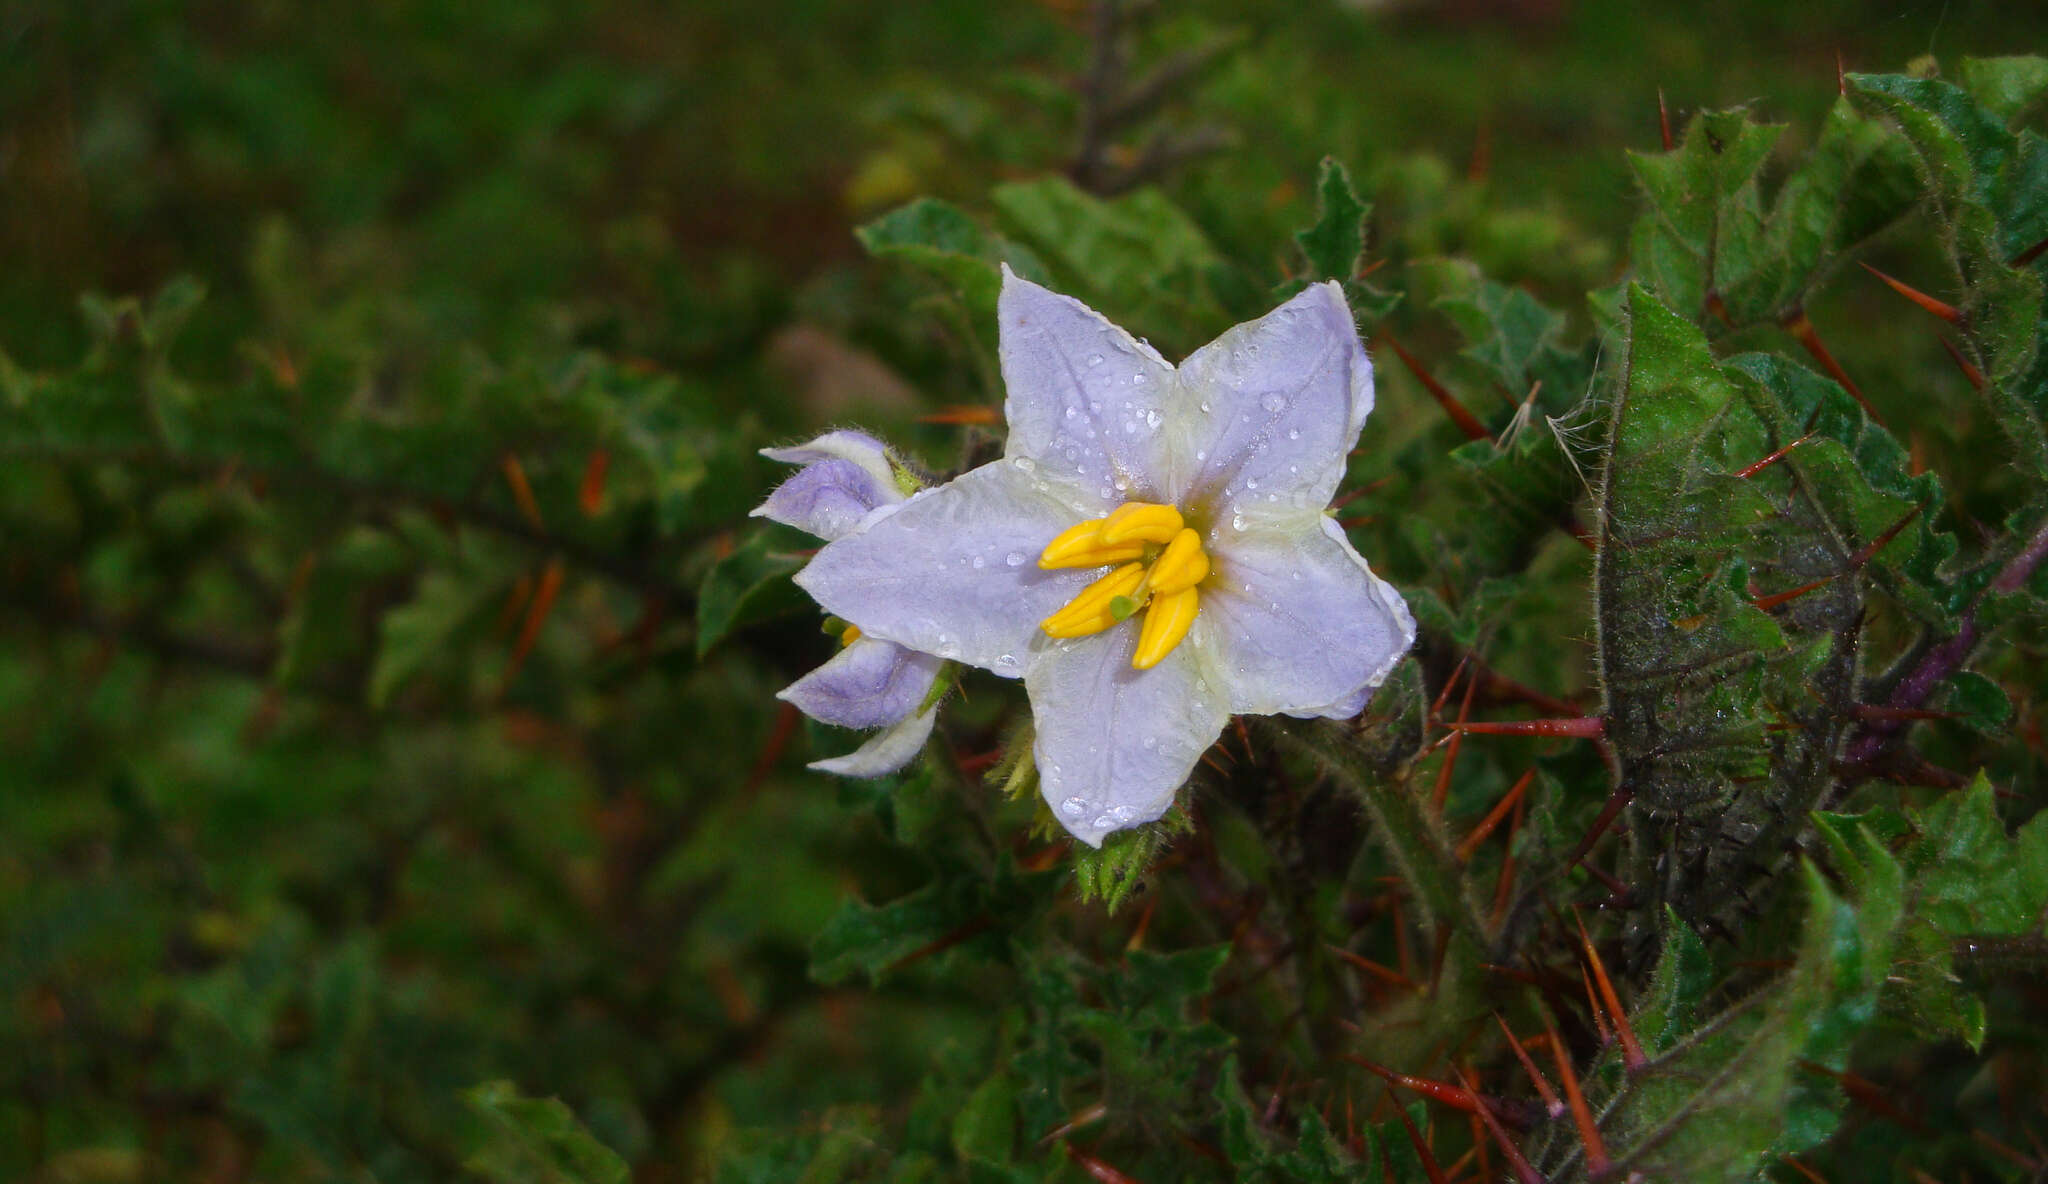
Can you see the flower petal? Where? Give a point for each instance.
(869, 684)
(862, 449)
(954, 571)
(827, 498)
(1087, 401)
(886, 751)
(1272, 406)
(1298, 620)
(1115, 744)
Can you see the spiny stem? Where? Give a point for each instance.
(1461, 415)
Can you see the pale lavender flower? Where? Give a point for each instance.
(846, 481)
(1193, 495)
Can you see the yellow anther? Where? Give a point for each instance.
(1181, 566)
(1167, 621)
(849, 635)
(1091, 612)
(1135, 522)
(1081, 545)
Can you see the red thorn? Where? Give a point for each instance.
(1422, 1151)
(1085, 1117)
(1551, 1105)
(1871, 548)
(1841, 77)
(1504, 883)
(1443, 774)
(1776, 599)
(1792, 1161)
(1803, 331)
(1631, 1052)
(537, 611)
(1096, 1170)
(2025, 1162)
(1385, 974)
(1467, 422)
(787, 717)
(1582, 1115)
(2030, 254)
(1615, 804)
(590, 494)
(1482, 154)
(1137, 938)
(1583, 727)
(972, 929)
(1443, 696)
(1869, 1095)
(1751, 470)
(1969, 369)
(522, 493)
(1947, 312)
(1663, 120)
(1450, 1095)
(1523, 1171)
(1471, 842)
(964, 413)
(1593, 1006)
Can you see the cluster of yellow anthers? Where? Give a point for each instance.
(1160, 561)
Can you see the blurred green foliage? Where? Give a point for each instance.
(391, 786)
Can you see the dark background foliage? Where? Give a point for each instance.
(390, 781)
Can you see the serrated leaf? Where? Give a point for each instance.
(1335, 245)
(424, 628)
(941, 240)
(522, 1140)
(749, 586)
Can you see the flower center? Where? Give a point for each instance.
(1160, 560)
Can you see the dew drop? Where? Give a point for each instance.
(1294, 433)
(1205, 409)
(1273, 402)
(1153, 419)
(1095, 359)
(1024, 463)
(1251, 482)
(1014, 559)
(1201, 454)
(1073, 807)
(979, 563)
(1104, 822)
(1007, 661)
(1123, 813)
(1138, 379)
(1237, 523)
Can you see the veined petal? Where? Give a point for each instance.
(1087, 401)
(869, 684)
(1269, 409)
(827, 498)
(1298, 620)
(1114, 744)
(886, 751)
(954, 571)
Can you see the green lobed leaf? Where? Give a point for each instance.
(522, 1140)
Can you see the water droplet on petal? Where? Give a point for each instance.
(1237, 523)
(1014, 559)
(1024, 463)
(1294, 433)
(1095, 359)
(1273, 402)
(1205, 408)
(1104, 822)
(1251, 482)
(1153, 419)
(1123, 813)
(1138, 379)
(1007, 661)
(1073, 807)
(979, 563)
